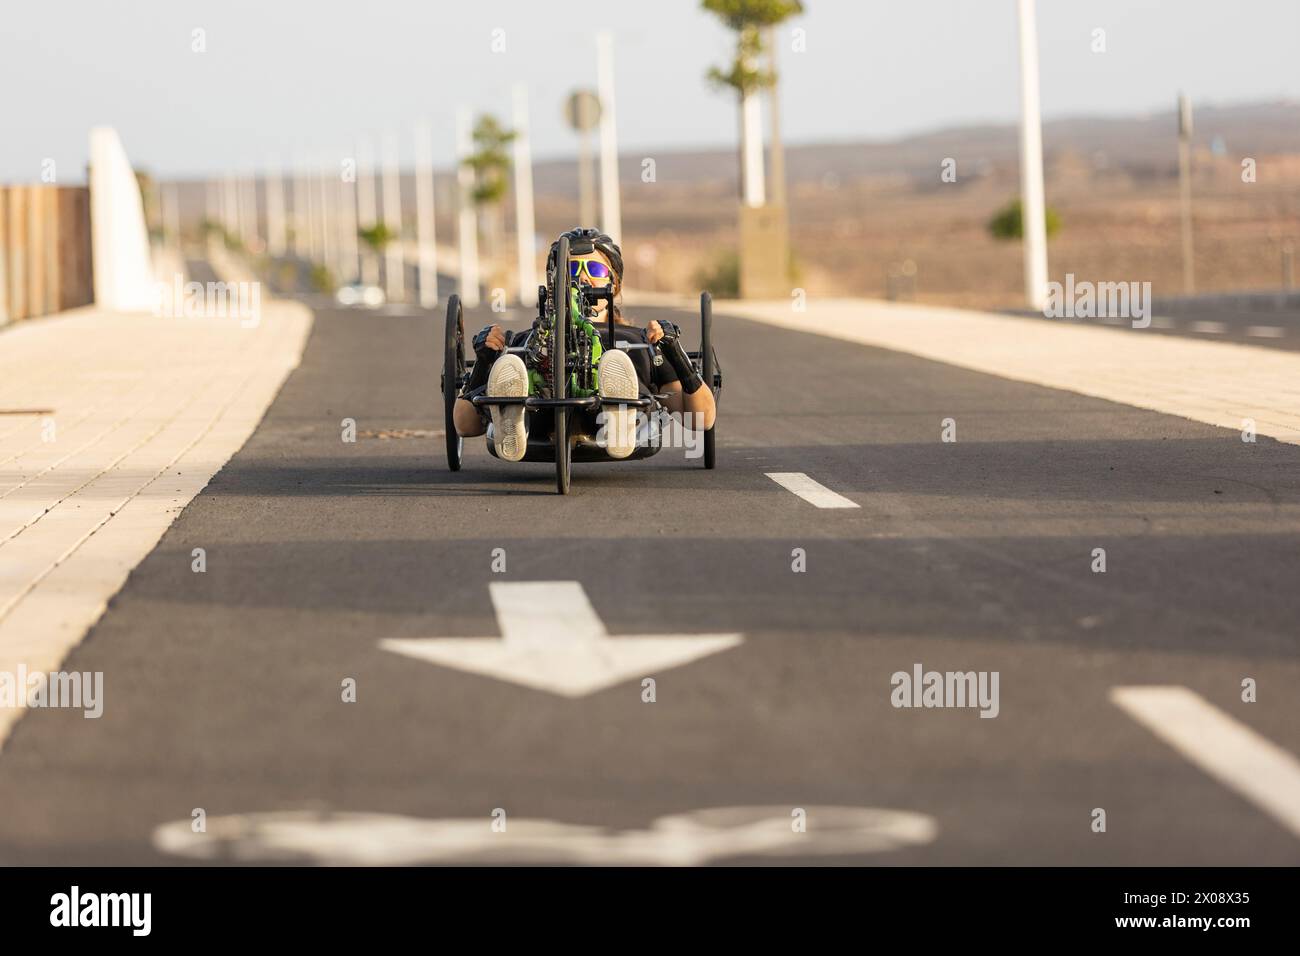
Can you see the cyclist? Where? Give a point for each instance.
(594, 260)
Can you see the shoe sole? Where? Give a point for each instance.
(618, 380)
(508, 380)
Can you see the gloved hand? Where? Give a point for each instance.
(488, 345)
(489, 342)
(669, 330)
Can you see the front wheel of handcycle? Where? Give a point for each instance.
(560, 366)
(706, 370)
(453, 373)
(563, 453)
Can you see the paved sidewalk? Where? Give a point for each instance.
(109, 425)
(1217, 383)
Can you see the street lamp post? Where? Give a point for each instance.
(467, 223)
(525, 224)
(611, 215)
(425, 231)
(1033, 206)
(367, 215)
(1185, 190)
(583, 110)
(275, 244)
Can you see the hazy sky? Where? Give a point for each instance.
(279, 76)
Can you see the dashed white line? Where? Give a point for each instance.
(810, 491)
(1222, 746)
(1266, 331)
(1164, 322)
(1210, 328)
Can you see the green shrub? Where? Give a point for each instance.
(722, 276)
(377, 237)
(322, 280)
(1009, 222)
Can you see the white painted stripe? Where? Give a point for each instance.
(1266, 331)
(1222, 746)
(1211, 328)
(1164, 322)
(809, 490)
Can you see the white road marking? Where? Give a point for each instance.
(683, 839)
(810, 491)
(1222, 746)
(1266, 331)
(552, 640)
(1164, 322)
(1210, 328)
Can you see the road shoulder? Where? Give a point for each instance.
(1224, 384)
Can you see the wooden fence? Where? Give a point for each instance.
(45, 262)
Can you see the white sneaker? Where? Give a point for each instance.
(508, 379)
(617, 378)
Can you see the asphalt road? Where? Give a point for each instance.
(223, 688)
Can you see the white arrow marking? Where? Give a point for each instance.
(552, 640)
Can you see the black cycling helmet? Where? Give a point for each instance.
(583, 241)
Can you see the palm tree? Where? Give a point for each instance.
(491, 164)
(750, 19)
(377, 237)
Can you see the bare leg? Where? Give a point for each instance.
(466, 418)
(699, 404)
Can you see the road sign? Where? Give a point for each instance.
(582, 110)
(552, 640)
(582, 113)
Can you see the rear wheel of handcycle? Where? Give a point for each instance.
(453, 373)
(559, 366)
(706, 360)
